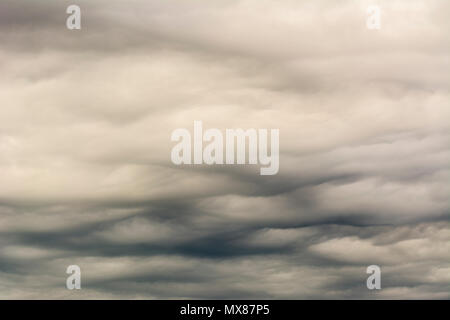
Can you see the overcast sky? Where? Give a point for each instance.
(85, 171)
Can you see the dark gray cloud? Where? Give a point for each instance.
(85, 146)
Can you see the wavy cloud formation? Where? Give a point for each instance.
(85, 169)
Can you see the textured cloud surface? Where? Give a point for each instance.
(85, 171)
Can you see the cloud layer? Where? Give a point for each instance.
(85, 169)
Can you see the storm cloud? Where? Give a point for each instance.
(85, 171)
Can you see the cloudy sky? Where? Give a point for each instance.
(85, 171)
